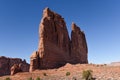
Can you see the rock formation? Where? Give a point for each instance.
(34, 61)
(55, 48)
(78, 45)
(7, 63)
(15, 69)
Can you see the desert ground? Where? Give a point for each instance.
(100, 72)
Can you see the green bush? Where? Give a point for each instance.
(30, 78)
(7, 78)
(38, 78)
(67, 73)
(87, 75)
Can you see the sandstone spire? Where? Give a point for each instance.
(55, 46)
(78, 45)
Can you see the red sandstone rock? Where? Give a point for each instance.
(54, 42)
(7, 63)
(34, 61)
(55, 48)
(15, 69)
(78, 45)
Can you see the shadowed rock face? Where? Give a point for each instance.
(78, 45)
(55, 48)
(15, 69)
(7, 63)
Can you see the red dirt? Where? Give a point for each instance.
(100, 72)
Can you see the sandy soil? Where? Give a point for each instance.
(100, 72)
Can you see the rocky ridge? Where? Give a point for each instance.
(6, 64)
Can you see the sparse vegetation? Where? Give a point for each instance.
(74, 78)
(30, 78)
(38, 78)
(44, 74)
(97, 65)
(67, 73)
(87, 75)
(7, 78)
(91, 63)
(105, 64)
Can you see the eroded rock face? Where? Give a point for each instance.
(55, 48)
(15, 69)
(34, 61)
(54, 45)
(79, 48)
(7, 63)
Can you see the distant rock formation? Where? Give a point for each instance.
(55, 47)
(114, 64)
(15, 69)
(7, 63)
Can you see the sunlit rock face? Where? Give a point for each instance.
(54, 42)
(55, 48)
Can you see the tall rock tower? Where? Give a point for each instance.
(54, 42)
(79, 48)
(55, 48)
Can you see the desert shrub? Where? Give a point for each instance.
(44, 74)
(97, 65)
(67, 73)
(91, 63)
(7, 78)
(38, 78)
(105, 64)
(30, 78)
(74, 78)
(87, 75)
